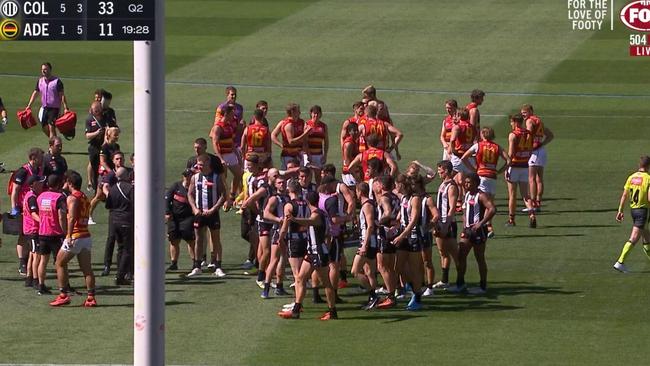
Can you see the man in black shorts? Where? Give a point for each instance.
(479, 210)
(316, 259)
(180, 218)
(52, 210)
(206, 194)
(364, 264)
(50, 88)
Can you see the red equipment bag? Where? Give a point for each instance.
(66, 124)
(26, 118)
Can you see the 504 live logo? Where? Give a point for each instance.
(591, 15)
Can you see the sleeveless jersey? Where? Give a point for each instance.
(324, 200)
(352, 120)
(378, 127)
(364, 224)
(298, 128)
(487, 156)
(299, 209)
(207, 190)
(316, 137)
(425, 216)
(523, 146)
(474, 210)
(24, 188)
(538, 130)
(355, 150)
(371, 153)
(48, 213)
(80, 228)
(361, 121)
(316, 244)
(464, 139)
(225, 142)
(476, 128)
(405, 208)
(448, 124)
(279, 208)
(30, 226)
(442, 201)
(256, 135)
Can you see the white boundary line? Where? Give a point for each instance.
(350, 89)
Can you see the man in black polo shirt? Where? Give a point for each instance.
(54, 162)
(96, 125)
(120, 202)
(200, 148)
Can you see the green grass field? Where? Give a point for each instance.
(554, 297)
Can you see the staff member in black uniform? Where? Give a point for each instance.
(96, 125)
(120, 203)
(53, 161)
(180, 219)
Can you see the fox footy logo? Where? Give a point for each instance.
(636, 15)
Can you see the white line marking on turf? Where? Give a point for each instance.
(65, 364)
(408, 114)
(351, 89)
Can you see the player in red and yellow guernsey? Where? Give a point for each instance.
(388, 135)
(318, 143)
(256, 138)
(77, 242)
(359, 109)
(451, 106)
(637, 189)
(520, 146)
(294, 133)
(541, 137)
(223, 134)
(373, 152)
(349, 150)
(486, 153)
(477, 97)
(462, 138)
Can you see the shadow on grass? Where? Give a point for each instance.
(130, 305)
(575, 226)
(595, 210)
(506, 236)
(523, 288)
(388, 316)
(194, 281)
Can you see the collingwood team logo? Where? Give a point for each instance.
(9, 28)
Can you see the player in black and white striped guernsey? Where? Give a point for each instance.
(315, 260)
(346, 206)
(206, 195)
(274, 212)
(479, 210)
(388, 207)
(446, 230)
(261, 188)
(364, 264)
(429, 215)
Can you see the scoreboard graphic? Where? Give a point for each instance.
(77, 20)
